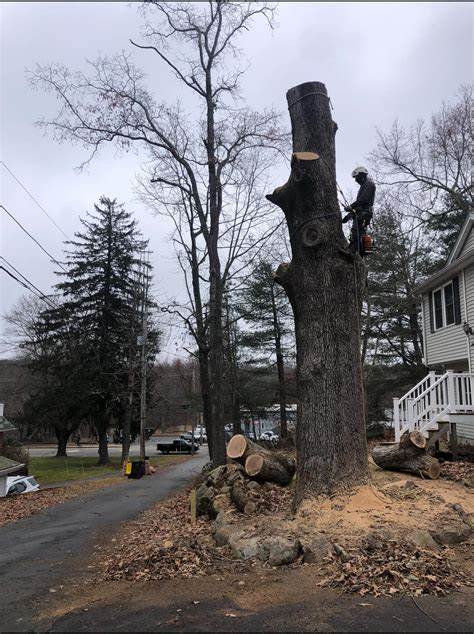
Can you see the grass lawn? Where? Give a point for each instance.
(50, 470)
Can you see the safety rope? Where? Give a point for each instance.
(308, 94)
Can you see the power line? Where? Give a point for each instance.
(43, 296)
(32, 237)
(28, 288)
(34, 199)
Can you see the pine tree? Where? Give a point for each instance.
(265, 308)
(97, 310)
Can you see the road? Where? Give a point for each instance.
(43, 549)
(88, 451)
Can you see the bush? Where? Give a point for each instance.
(14, 450)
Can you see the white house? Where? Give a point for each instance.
(444, 400)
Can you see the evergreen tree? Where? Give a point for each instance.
(98, 311)
(265, 308)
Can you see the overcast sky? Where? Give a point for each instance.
(379, 61)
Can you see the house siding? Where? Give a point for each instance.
(446, 345)
(469, 283)
(464, 427)
(468, 246)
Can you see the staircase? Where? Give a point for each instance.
(428, 405)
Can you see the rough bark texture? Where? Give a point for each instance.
(239, 497)
(103, 447)
(409, 455)
(267, 468)
(324, 283)
(62, 438)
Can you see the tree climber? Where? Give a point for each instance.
(361, 210)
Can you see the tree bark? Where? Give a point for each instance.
(103, 447)
(241, 448)
(62, 436)
(280, 369)
(408, 455)
(267, 468)
(324, 283)
(239, 497)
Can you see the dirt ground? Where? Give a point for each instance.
(285, 600)
(195, 586)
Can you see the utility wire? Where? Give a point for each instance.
(43, 296)
(28, 288)
(32, 237)
(34, 199)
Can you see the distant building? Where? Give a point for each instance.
(266, 419)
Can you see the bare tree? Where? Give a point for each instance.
(111, 104)
(429, 165)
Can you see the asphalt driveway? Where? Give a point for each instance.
(41, 550)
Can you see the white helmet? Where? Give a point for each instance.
(359, 170)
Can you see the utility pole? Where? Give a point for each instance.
(144, 266)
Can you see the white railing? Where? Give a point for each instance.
(432, 398)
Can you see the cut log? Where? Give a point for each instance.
(241, 499)
(239, 448)
(408, 455)
(268, 469)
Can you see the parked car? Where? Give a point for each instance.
(177, 446)
(21, 484)
(269, 435)
(197, 436)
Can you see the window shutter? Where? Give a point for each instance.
(430, 304)
(457, 301)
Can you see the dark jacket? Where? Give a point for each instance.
(365, 197)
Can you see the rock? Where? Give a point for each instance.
(342, 554)
(226, 533)
(254, 486)
(453, 535)
(376, 539)
(279, 551)
(269, 486)
(315, 549)
(204, 498)
(220, 503)
(422, 539)
(244, 548)
(250, 508)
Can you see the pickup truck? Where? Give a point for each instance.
(177, 446)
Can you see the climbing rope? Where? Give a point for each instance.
(308, 94)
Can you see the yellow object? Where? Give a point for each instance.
(128, 468)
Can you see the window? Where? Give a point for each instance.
(449, 303)
(438, 309)
(444, 306)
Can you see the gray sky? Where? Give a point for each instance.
(379, 61)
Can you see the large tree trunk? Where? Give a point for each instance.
(408, 455)
(324, 283)
(103, 447)
(62, 436)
